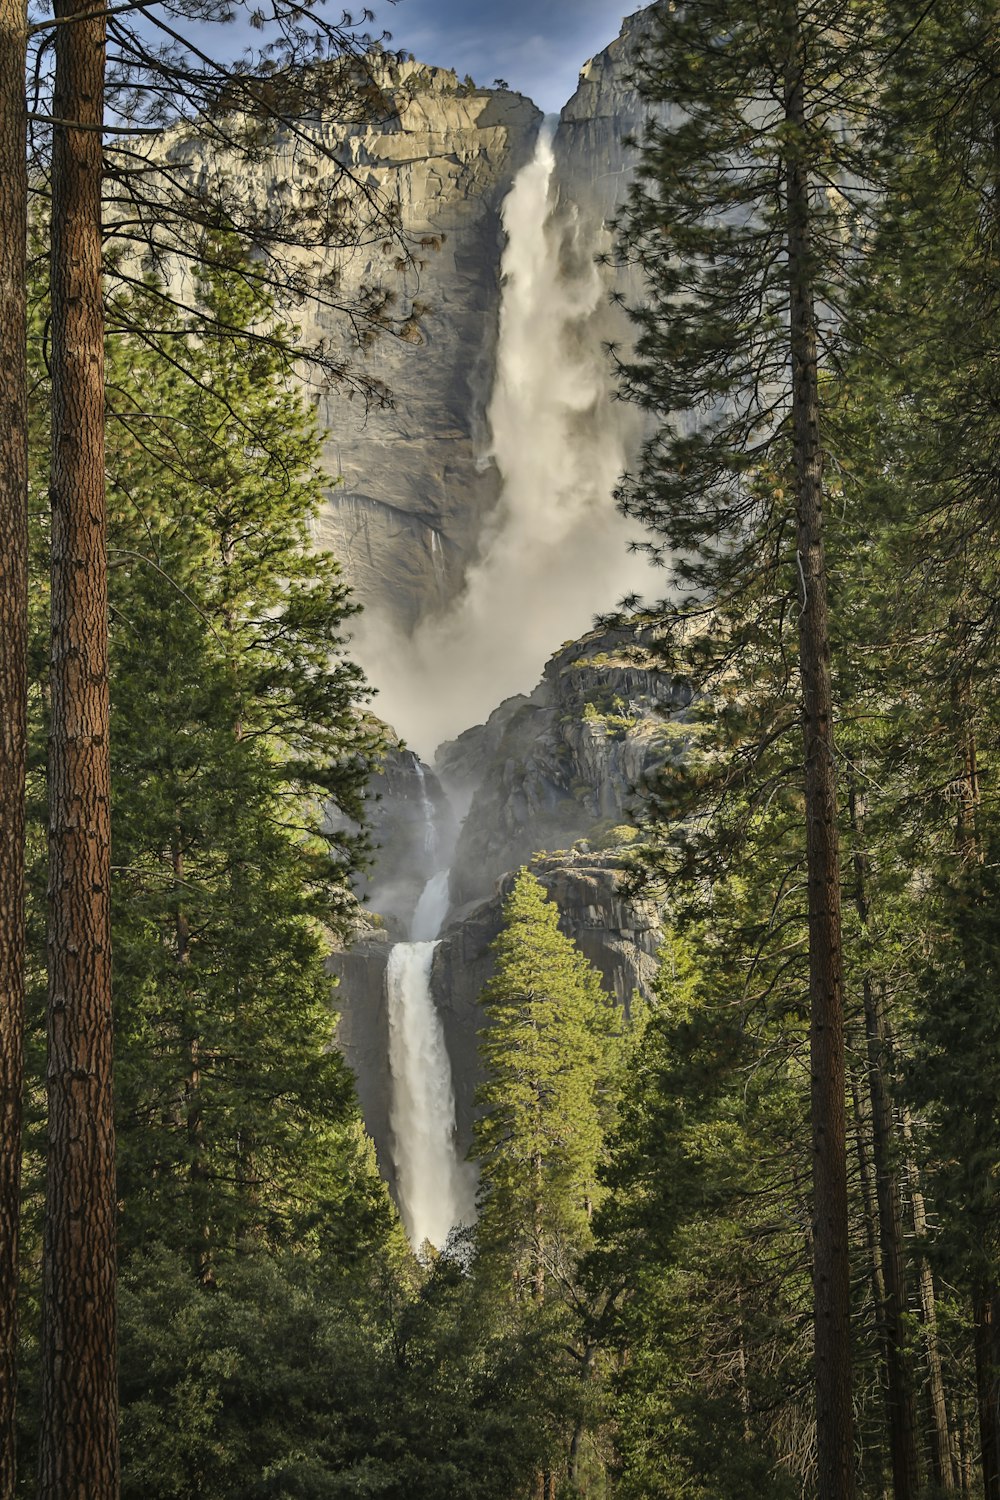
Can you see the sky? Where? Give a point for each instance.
(537, 46)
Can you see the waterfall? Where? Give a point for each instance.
(427, 808)
(555, 551)
(435, 1190)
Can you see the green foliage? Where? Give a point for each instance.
(235, 718)
(709, 1277)
(547, 1056)
(954, 1072)
(285, 1382)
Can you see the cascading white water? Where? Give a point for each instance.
(427, 808)
(435, 1190)
(556, 550)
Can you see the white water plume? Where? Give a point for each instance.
(555, 553)
(435, 1190)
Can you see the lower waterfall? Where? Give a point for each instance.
(435, 1190)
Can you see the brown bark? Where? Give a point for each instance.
(867, 1193)
(940, 1435)
(13, 685)
(986, 1336)
(831, 1270)
(79, 1418)
(901, 1407)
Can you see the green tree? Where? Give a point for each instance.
(551, 1056)
(702, 1241)
(241, 747)
(740, 222)
(240, 743)
(545, 1053)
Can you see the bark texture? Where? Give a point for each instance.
(13, 685)
(947, 1472)
(79, 1435)
(831, 1271)
(901, 1401)
(986, 1336)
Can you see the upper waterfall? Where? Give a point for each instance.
(554, 550)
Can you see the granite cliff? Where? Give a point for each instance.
(550, 776)
(422, 498)
(550, 780)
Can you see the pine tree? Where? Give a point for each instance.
(702, 1243)
(740, 221)
(79, 1446)
(551, 1055)
(546, 1058)
(13, 685)
(921, 394)
(241, 751)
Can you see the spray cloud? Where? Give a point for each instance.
(555, 552)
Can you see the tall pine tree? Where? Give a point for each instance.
(738, 221)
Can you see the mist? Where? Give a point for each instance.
(555, 551)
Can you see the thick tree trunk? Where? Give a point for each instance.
(13, 684)
(831, 1269)
(79, 1420)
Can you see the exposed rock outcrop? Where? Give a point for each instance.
(564, 763)
(414, 487)
(549, 781)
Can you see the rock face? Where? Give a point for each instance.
(593, 163)
(549, 779)
(409, 486)
(555, 771)
(415, 487)
(563, 764)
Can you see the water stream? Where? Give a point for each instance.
(434, 1187)
(554, 551)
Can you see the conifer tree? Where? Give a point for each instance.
(239, 730)
(13, 684)
(702, 1242)
(79, 1447)
(739, 223)
(920, 391)
(157, 81)
(546, 1058)
(550, 1055)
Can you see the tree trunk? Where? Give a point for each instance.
(940, 1435)
(900, 1393)
(79, 1417)
(13, 685)
(985, 1335)
(831, 1269)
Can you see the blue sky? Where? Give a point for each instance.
(538, 46)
